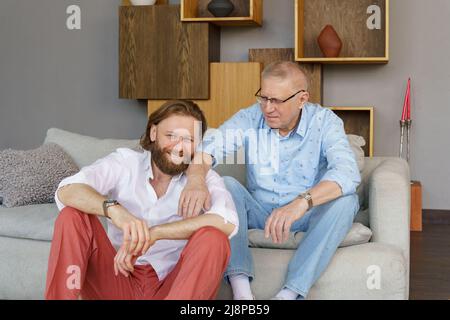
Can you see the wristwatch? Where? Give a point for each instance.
(307, 196)
(109, 203)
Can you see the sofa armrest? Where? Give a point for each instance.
(389, 203)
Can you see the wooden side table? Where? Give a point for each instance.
(416, 206)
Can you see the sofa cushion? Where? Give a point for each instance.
(34, 222)
(358, 234)
(84, 150)
(28, 222)
(32, 176)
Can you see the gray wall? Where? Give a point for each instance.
(52, 77)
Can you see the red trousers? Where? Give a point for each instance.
(82, 262)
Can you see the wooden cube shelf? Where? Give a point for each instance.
(358, 121)
(349, 18)
(246, 13)
(233, 87)
(162, 58)
(312, 70)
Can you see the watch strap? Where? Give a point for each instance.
(307, 196)
(109, 203)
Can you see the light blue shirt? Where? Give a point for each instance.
(280, 168)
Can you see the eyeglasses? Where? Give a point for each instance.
(264, 100)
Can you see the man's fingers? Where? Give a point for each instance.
(180, 204)
(279, 229)
(286, 230)
(207, 204)
(198, 208)
(273, 230)
(120, 265)
(147, 240)
(134, 238)
(191, 206)
(268, 226)
(126, 236)
(128, 263)
(116, 270)
(186, 207)
(141, 238)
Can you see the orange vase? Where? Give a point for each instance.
(329, 42)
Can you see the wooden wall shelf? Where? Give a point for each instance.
(128, 2)
(358, 121)
(246, 13)
(313, 70)
(233, 87)
(349, 18)
(162, 58)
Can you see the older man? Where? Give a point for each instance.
(301, 176)
(149, 251)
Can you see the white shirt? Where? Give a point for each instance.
(124, 175)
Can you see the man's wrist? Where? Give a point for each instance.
(196, 177)
(156, 233)
(114, 211)
(302, 203)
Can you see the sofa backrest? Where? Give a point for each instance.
(84, 150)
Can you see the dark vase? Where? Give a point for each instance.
(220, 8)
(329, 42)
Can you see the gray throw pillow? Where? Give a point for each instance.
(32, 176)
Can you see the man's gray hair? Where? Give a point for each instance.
(284, 70)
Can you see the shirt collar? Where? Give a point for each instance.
(300, 128)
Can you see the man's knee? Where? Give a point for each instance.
(212, 239)
(349, 205)
(232, 184)
(69, 216)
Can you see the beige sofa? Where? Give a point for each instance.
(375, 270)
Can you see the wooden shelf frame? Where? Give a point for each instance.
(158, 2)
(189, 13)
(300, 47)
(369, 134)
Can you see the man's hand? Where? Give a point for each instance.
(136, 235)
(194, 197)
(124, 261)
(279, 223)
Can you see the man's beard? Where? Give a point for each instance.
(161, 158)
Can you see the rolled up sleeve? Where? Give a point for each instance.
(221, 201)
(342, 167)
(102, 176)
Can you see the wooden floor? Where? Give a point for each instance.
(430, 263)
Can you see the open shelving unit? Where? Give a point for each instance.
(349, 17)
(246, 13)
(358, 121)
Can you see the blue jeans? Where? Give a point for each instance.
(325, 226)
